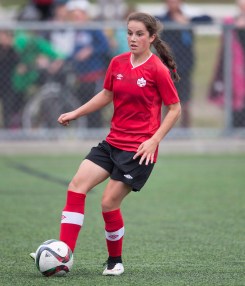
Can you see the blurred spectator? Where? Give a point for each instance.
(111, 9)
(45, 8)
(36, 10)
(35, 55)
(62, 39)
(28, 12)
(59, 11)
(89, 58)
(181, 41)
(118, 35)
(8, 61)
(240, 23)
(216, 94)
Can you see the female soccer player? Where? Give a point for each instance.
(137, 82)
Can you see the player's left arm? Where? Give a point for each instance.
(148, 148)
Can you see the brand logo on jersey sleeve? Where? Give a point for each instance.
(119, 76)
(141, 82)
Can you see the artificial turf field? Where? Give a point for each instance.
(186, 227)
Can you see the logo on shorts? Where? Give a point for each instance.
(128, 176)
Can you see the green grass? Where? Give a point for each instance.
(186, 227)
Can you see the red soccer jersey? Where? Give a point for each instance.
(138, 94)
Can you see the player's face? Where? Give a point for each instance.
(139, 39)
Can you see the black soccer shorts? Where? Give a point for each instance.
(121, 165)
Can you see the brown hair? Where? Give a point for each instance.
(153, 26)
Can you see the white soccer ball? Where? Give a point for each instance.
(54, 257)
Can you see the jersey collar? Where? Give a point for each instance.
(133, 67)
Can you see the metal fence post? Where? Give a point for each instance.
(228, 29)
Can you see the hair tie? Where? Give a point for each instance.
(174, 70)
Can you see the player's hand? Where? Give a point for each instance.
(65, 118)
(146, 150)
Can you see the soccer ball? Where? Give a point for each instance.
(54, 257)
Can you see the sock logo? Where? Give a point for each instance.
(113, 236)
(72, 218)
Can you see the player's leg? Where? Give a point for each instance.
(112, 198)
(87, 177)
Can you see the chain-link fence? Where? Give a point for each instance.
(48, 69)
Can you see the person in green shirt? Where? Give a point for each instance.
(36, 54)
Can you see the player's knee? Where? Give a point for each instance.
(108, 204)
(78, 186)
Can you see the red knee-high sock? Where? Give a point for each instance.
(72, 218)
(114, 232)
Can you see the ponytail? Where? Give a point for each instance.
(166, 56)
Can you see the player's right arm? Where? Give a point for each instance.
(100, 100)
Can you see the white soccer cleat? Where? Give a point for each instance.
(33, 255)
(113, 269)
